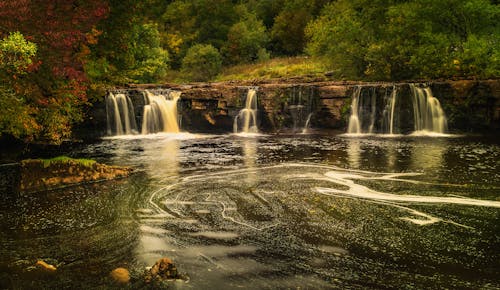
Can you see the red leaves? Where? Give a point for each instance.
(62, 29)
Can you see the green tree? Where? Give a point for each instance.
(288, 30)
(339, 36)
(394, 40)
(246, 40)
(202, 62)
(150, 59)
(16, 116)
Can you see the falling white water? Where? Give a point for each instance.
(389, 113)
(247, 117)
(306, 126)
(428, 114)
(354, 122)
(160, 113)
(120, 115)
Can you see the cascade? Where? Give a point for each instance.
(389, 114)
(363, 111)
(247, 117)
(373, 111)
(307, 124)
(300, 107)
(354, 126)
(120, 115)
(428, 114)
(160, 112)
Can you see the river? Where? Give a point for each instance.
(255, 211)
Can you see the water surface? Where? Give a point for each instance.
(268, 211)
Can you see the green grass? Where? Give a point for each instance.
(284, 67)
(275, 68)
(65, 159)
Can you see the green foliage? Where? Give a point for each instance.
(150, 60)
(339, 35)
(246, 39)
(63, 160)
(288, 30)
(393, 40)
(16, 116)
(16, 53)
(202, 62)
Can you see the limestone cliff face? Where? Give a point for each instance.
(470, 105)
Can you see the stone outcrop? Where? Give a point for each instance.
(39, 175)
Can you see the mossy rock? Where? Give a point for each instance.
(45, 174)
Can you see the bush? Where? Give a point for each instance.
(246, 40)
(202, 62)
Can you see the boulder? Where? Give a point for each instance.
(120, 275)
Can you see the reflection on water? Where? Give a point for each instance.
(354, 153)
(164, 158)
(428, 156)
(267, 212)
(249, 146)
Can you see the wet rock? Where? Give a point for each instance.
(45, 266)
(38, 175)
(120, 275)
(163, 269)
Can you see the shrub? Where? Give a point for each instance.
(202, 62)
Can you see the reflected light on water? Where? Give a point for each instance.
(428, 156)
(249, 146)
(354, 153)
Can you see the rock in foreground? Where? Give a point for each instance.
(43, 174)
(163, 269)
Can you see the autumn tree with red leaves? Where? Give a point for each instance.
(54, 85)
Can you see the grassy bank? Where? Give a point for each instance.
(275, 68)
(283, 67)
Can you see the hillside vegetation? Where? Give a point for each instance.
(58, 56)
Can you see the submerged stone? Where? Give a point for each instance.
(47, 267)
(120, 275)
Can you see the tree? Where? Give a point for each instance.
(202, 62)
(246, 39)
(339, 36)
(288, 30)
(395, 40)
(62, 31)
(16, 59)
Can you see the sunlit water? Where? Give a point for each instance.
(266, 212)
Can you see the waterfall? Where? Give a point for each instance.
(354, 120)
(160, 112)
(372, 113)
(120, 115)
(247, 117)
(300, 106)
(389, 114)
(427, 111)
(307, 124)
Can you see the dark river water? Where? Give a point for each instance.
(315, 211)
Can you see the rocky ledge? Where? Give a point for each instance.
(45, 174)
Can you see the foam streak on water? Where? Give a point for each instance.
(175, 200)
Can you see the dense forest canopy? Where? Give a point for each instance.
(56, 55)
